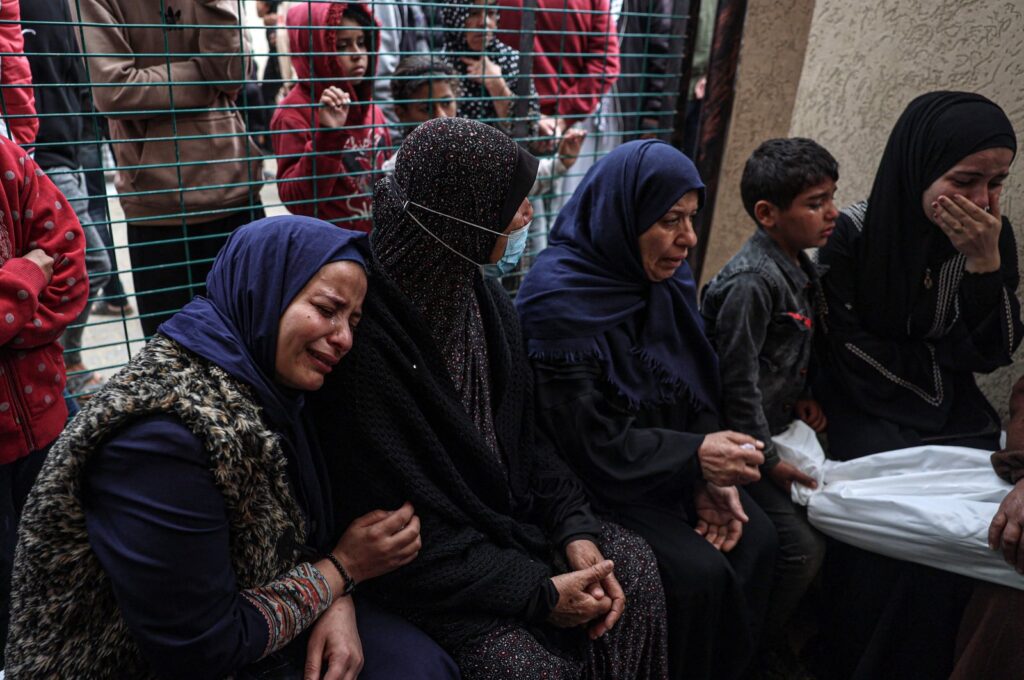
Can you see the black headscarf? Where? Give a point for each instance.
(472, 172)
(254, 279)
(898, 241)
(587, 296)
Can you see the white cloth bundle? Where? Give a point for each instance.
(926, 504)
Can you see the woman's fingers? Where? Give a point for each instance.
(995, 530)
(741, 439)
(1011, 543)
(397, 520)
(733, 533)
(973, 211)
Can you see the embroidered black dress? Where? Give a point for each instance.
(905, 329)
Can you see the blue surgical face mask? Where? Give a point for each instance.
(514, 246)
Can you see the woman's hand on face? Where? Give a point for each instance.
(379, 542)
(576, 606)
(810, 411)
(972, 231)
(1007, 526)
(720, 515)
(482, 69)
(334, 642)
(730, 458)
(334, 104)
(581, 554)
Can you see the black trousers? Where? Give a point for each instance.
(16, 480)
(716, 601)
(170, 263)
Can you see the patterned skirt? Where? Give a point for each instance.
(635, 649)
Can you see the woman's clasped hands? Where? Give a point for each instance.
(590, 594)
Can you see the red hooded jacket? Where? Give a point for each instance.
(328, 173)
(34, 312)
(14, 71)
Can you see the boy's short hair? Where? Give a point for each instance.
(779, 169)
(417, 70)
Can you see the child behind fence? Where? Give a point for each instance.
(328, 135)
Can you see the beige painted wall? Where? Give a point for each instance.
(864, 61)
(771, 60)
(902, 48)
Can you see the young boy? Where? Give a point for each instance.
(760, 314)
(423, 88)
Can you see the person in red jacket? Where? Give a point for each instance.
(329, 138)
(17, 99)
(43, 287)
(576, 55)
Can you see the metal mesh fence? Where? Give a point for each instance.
(168, 123)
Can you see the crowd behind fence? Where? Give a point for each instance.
(169, 123)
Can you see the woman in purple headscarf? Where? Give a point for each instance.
(181, 526)
(627, 387)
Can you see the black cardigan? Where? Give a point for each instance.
(393, 428)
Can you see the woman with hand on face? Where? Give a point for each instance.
(181, 526)
(920, 295)
(627, 388)
(488, 69)
(516, 577)
(329, 137)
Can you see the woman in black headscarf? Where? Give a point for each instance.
(627, 387)
(435, 404)
(920, 295)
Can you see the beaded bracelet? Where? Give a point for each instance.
(350, 583)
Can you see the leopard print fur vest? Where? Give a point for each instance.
(65, 621)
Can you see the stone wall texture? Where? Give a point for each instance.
(861, 63)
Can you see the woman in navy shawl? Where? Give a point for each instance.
(627, 386)
(168, 515)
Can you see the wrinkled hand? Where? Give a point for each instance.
(379, 542)
(726, 462)
(581, 554)
(576, 606)
(569, 146)
(810, 411)
(720, 515)
(42, 260)
(334, 105)
(334, 642)
(971, 230)
(1005, 531)
(785, 474)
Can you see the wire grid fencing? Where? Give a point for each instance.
(169, 123)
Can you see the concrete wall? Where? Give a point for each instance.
(861, 63)
(771, 61)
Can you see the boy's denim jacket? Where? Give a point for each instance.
(759, 313)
